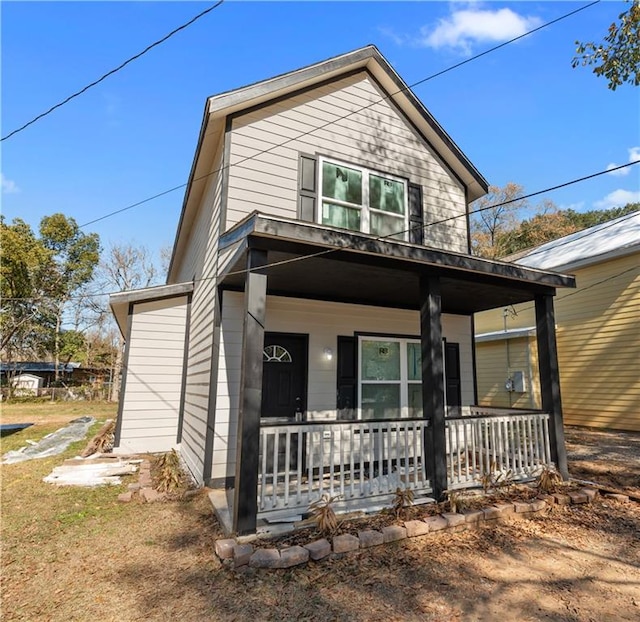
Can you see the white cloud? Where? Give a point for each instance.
(8, 185)
(618, 198)
(634, 156)
(467, 26)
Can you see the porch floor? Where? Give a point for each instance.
(287, 520)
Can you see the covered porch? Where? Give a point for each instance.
(281, 466)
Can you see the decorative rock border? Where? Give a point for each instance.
(237, 555)
(143, 488)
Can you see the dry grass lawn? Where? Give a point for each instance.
(77, 554)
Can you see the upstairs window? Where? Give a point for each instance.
(356, 198)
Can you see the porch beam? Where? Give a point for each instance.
(245, 506)
(433, 382)
(550, 379)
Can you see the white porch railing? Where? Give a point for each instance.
(353, 460)
(495, 442)
(360, 461)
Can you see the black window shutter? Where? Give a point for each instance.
(307, 176)
(347, 378)
(416, 216)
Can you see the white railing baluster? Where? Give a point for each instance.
(378, 456)
(276, 447)
(302, 439)
(331, 461)
(474, 434)
(362, 451)
(263, 477)
(287, 466)
(352, 470)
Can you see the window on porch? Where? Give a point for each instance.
(390, 382)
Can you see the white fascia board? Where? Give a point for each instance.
(512, 333)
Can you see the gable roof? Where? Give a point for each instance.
(615, 238)
(369, 59)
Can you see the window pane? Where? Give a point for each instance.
(386, 194)
(340, 216)
(414, 361)
(389, 226)
(342, 183)
(415, 400)
(380, 401)
(380, 360)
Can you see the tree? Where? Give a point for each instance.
(537, 230)
(617, 58)
(554, 224)
(75, 256)
(492, 216)
(26, 315)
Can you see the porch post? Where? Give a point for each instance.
(433, 382)
(245, 504)
(550, 378)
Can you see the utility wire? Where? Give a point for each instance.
(110, 73)
(340, 118)
(424, 226)
(557, 244)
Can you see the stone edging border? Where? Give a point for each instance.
(237, 554)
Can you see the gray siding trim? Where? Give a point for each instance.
(185, 363)
(474, 360)
(360, 58)
(124, 371)
(151, 294)
(185, 200)
(213, 392)
(226, 165)
(415, 128)
(421, 257)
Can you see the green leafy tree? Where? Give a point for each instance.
(617, 58)
(26, 287)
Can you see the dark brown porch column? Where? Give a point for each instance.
(433, 382)
(245, 504)
(550, 379)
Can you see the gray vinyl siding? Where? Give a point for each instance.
(151, 401)
(200, 261)
(376, 137)
(323, 322)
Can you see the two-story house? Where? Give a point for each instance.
(316, 331)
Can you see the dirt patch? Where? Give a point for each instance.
(605, 457)
(80, 555)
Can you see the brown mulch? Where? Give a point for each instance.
(605, 457)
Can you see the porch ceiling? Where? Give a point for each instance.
(362, 270)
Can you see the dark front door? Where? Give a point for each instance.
(284, 376)
(284, 393)
(452, 377)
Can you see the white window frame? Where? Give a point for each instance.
(365, 209)
(404, 380)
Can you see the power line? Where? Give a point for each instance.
(423, 226)
(601, 227)
(341, 118)
(110, 73)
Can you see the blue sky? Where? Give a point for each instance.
(520, 114)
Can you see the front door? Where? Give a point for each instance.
(452, 378)
(284, 392)
(284, 376)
